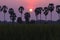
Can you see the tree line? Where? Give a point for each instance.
(38, 10)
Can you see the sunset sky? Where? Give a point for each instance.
(28, 4)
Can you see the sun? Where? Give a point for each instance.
(30, 10)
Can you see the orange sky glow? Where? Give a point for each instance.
(29, 3)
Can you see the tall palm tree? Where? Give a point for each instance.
(4, 9)
(12, 14)
(51, 8)
(38, 11)
(46, 12)
(21, 9)
(27, 17)
(58, 10)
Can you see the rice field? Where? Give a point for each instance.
(30, 31)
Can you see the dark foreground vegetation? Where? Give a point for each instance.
(32, 22)
(30, 31)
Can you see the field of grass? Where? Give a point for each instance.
(30, 31)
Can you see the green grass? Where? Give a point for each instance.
(30, 31)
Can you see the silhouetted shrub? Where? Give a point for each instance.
(19, 20)
(32, 21)
(27, 17)
(13, 17)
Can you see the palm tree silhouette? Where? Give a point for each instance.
(51, 8)
(21, 9)
(38, 11)
(0, 8)
(12, 15)
(27, 17)
(4, 9)
(46, 12)
(58, 10)
(11, 11)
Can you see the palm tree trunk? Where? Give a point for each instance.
(51, 17)
(4, 18)
(40, 18)
(21, 15)
(59, 16)
(45, 17)
(36, 19)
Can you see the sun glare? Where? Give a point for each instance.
(30, 10)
